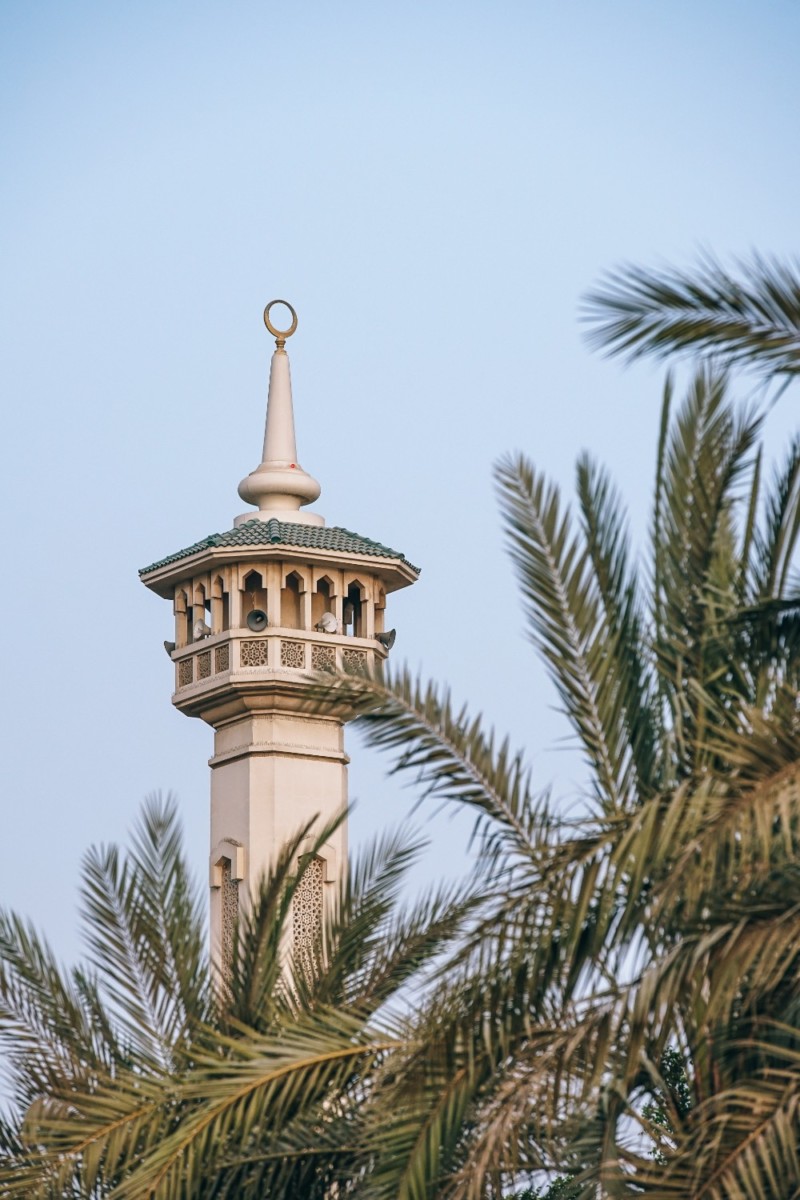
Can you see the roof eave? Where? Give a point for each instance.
(395, 572)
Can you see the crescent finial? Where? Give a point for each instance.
(280, 335)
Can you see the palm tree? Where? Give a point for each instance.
(137, 1076)
(624, 1010)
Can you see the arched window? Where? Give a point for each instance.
(201, 606)
(183, 619)
(291, 602)
(353, 614)
(220, 605)
(254, 595)
(227, 870)
(321, 600)
(380, 611)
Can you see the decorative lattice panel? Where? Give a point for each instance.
(204, 665)
(185, 672)
(323, 658)
(253, 654)
(222, 658)
(307, 909)
(229, 900)
(355, 661)
(293, 654)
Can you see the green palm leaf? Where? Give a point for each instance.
(566, 616)
(144, 931)
(752, 317)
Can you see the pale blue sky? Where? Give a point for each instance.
(433, 186)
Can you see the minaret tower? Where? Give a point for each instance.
(258, 609)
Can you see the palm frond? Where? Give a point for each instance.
(257, 1086)
(450, 754)
(706, 455)
(48, 1025)
(740, 1145)
(481, 1093)
(606, 537)
(375, 945)
(567, 620)
(144, 932)
(76, 1139)
(775, 541)
(170, 916)
(752, 317)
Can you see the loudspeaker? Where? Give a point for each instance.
(257, 620)
(327, 623)
(386, 639)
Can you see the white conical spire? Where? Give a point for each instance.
(279, 486)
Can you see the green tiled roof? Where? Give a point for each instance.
(283, 533)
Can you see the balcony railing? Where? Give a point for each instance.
(239, 654)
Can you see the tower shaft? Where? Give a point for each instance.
(272, 774)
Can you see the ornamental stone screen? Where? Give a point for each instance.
(230, 912)
(307, 909)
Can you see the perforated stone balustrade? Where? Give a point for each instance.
(203, 662)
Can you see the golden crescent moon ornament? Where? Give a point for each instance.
(280, 335)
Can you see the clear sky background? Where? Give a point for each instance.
(433, 186)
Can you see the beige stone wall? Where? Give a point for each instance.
(270, 774)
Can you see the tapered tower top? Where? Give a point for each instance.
(280, 529)
(279, 486)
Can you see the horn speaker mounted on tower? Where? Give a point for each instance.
(386, 639)
(257, 620)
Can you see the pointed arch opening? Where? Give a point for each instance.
(201, 610)
(380, 611)
(322, 599)
(254, 595)
(292, 601)
(183, 618)
(220, 605)
(354, 612)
